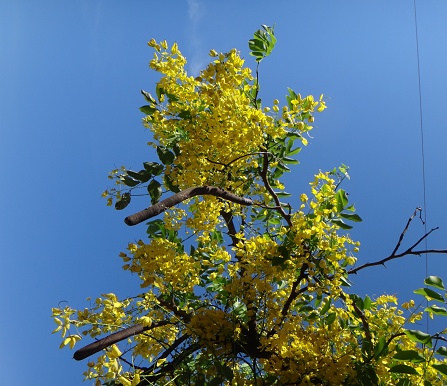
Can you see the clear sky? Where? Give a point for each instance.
(70, 80)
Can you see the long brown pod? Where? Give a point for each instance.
(179, 197)
(101, 344)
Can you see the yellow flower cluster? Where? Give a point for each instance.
(214, 121)
(161, 265)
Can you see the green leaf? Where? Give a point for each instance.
(429, 294)
(290, 161)
(419, 336)
(155, 227)
(442, 368)
(283, 167)
(292, 134)
(330, 318)
(142, 175)
(165, 155)
(434, 281)
(341, 224)
(326, 306)
(277, 173)
(123, 202)
(148, 110)
(294, 151)
(342, 199)
(184, 115)
(436, 310)
(403, 369)
(154, 168)
(381, 348)
(129, 181)
(409, 356)
(283, 194)
(168, 182)
(351, 217)
(148, 97)
(154, 189)
(442, 351)
(357, 300)
(262, 43)
(366, 348)
(172, 97)
(367, 303)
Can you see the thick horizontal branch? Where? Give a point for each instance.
(101, 344)
(179, 197)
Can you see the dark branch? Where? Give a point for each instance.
(401, 237)
(177, 198)
(409, 251)
(265, 165)
(147, 377)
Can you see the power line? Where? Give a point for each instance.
(422, 139)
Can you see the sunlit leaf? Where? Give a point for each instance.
(434, 281)
(148, 110)
(436, 310)
(142, 175)
(419, 336)
(351, 217)
(429, 294)
(442, 351)
(342, 199)
(341, 224)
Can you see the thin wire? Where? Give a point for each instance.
(422, 141)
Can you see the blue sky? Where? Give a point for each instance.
(71, 74)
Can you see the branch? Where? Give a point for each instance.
(409, 251)
(101, 344)
(265, 165)
(147, 378)
(401, 237)
(177, 198)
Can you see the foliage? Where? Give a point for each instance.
(240, 288)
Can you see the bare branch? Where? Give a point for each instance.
(401, 237)
(179, 197)
(409, 251)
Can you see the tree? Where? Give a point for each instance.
(240, 287)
